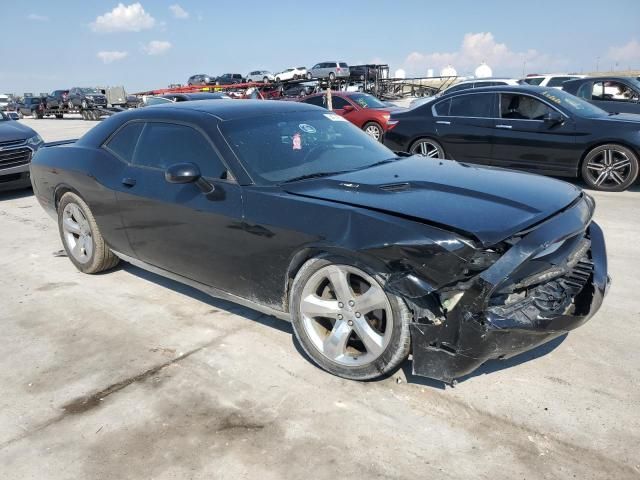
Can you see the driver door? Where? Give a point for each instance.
(175, 226)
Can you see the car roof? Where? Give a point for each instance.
(195, 95)
(239, 108)
(601, 78)
(500, 88)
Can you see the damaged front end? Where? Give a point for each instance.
(532, 288)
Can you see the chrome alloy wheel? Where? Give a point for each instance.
(346, 315)
(609, 167)
(77, 233)
(427, 148)
(373, 131)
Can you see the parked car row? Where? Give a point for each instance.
(538, 129)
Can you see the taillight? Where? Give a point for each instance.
(338, 69)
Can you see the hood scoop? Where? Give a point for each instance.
(396, 187)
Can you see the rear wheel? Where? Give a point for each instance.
(427, 148)
(346, 322)
(265, 80)
(610, 167)
(373, 130)
(81, 237)
(332, 76)
(84, 104)
(309, 76)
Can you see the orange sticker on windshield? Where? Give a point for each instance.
(297, 141)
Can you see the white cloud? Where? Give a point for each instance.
(37, 18)
(156, 47)
(628, 53)
(482, 47)
(113, 56)
(178, 11)
(129, 18)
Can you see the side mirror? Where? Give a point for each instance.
(553, 118)
(187, 173)
(182, 173)
(348, 108)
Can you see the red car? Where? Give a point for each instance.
(363, 110)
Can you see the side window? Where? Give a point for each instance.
(613, 92)
(442, 108)
(557, 81)
(123, 143)
(585, 91)
(474, 105)
(339, 103)
(319, 101)
(522, 107)
(317, 65)
(534, 80)
(163, 144)
(457, 88)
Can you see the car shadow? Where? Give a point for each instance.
(15, 194)
(214, 302)
(286, 327)
(488, 367)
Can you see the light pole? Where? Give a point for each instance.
(597, 64)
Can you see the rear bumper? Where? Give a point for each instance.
(473, 334)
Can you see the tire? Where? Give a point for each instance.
(84, 104)
(332, 76)
(309, 76)
(20, 115)
(265, 80)
(374, 130)
(610, 168)
(59, 115)
(387, 328)
(278, 79)
(71, 105)
(431, 149)
(81, 237)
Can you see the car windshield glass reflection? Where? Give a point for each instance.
(367, 101)
(573, 104)
(302, 144)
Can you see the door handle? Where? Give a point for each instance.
(129, 182)
(443, 122)
(507, 127)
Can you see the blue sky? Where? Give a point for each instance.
(149, 44)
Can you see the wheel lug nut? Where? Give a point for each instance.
(339, 317)
(350, 323)
(351, 303)
(357, 314)
(340, 304)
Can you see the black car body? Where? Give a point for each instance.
(57, 99)
(483, 263)
(81, 97)
(229, 79)
(17, 145)
(538, 129)
(29, 106)
(186, 97)
(612, 94)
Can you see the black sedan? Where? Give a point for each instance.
(613, 94)
(538, 129)
(294, 211)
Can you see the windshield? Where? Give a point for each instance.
(89, 90)
(367, 101)
(285, 146)
(574, 104)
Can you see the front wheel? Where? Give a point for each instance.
(427, 148)
(265, 80)
(81, 237)
(332, 76)
(309, 76)
(346, 322)
(610, 167)
(373, 130)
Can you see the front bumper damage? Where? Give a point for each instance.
(524, 299)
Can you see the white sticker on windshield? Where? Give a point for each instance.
(334, 118)
(305, 127)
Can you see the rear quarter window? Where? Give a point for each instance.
(123, 143)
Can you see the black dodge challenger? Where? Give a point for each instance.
(291, 210)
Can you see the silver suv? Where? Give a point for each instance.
(330, 70)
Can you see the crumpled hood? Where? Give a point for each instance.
(13, 130)
(487, 203)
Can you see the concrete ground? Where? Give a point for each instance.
(127, 375)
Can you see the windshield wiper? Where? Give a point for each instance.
(381, 162)
(315, 175)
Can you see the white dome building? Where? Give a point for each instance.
(483, 71)
(400, 73)
(448, 71)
